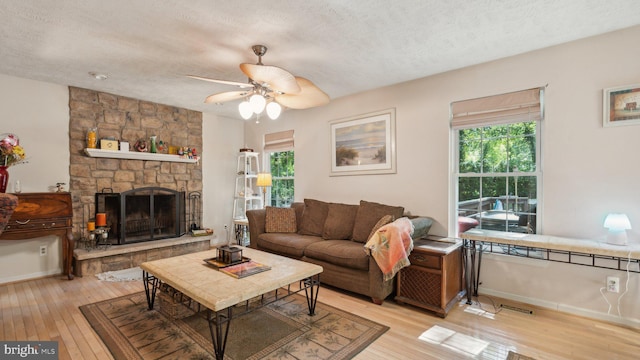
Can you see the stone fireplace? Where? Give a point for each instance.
(127, 119)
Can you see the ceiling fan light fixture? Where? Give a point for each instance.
(273, 110)
(258, 103)
(245, 110)
(268, 87)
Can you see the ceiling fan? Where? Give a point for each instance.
(269, 87)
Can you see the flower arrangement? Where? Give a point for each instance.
(11, 153)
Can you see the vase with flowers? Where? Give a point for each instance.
(11, 153)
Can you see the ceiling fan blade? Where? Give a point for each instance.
(226, 82)
(227, 96)
(309, 96)
(275, 78)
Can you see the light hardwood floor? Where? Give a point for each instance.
(47, 309)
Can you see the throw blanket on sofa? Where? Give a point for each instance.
(390, 246)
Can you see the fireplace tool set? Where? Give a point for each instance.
(195, 211)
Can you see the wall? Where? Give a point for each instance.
(38, 113)
(223, 138)
(588, 170)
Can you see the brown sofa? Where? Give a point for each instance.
(331, 235)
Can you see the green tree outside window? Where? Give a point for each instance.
(282, 174)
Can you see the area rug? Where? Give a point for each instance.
(132, 274)
(282, 330)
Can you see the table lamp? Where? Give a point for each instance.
(264, 181)
(618, 224)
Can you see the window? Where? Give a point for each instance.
(282, 171)
(497, 168)
(279, 149)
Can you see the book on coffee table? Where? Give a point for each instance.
(245, 269)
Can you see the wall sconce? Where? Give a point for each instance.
(618, 224)
(264, 181)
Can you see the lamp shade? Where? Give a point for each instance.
(617, 222)
(264, 179)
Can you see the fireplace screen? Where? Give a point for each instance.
(143, 214)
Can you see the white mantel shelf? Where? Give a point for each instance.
(132, 155)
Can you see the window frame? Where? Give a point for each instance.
(456, 175)
(267, 167)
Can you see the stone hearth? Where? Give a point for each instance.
(118, 257)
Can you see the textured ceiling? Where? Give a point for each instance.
(146, 47)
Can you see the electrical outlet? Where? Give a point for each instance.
(43, 250)
(225, 226)
(613, 284)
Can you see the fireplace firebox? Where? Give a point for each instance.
(143, 214)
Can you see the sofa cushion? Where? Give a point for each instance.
(299, 208)
(339, 222)
(339, 252)
(387, 219)
(313, 217)
(368, 215)
(280, 220)
(421, 226)
(287, 244)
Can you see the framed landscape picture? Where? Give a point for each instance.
(621, 105)
(364, 144)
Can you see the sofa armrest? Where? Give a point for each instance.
(257, 221)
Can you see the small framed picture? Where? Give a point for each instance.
(621, 106)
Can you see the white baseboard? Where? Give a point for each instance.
(635, 323)
(36, 275)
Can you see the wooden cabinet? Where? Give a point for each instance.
(434, 280)
(41, 214)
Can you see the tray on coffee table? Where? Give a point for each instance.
(218, 264)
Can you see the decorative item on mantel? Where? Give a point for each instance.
(154, 146)
(92, 140)
(141, 146)
(12, 154)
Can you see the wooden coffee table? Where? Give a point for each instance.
(218, 292)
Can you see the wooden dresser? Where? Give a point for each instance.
(41, 214)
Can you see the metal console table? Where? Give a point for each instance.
(543, 247)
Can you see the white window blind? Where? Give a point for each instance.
(514, 107)
(279, 141)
